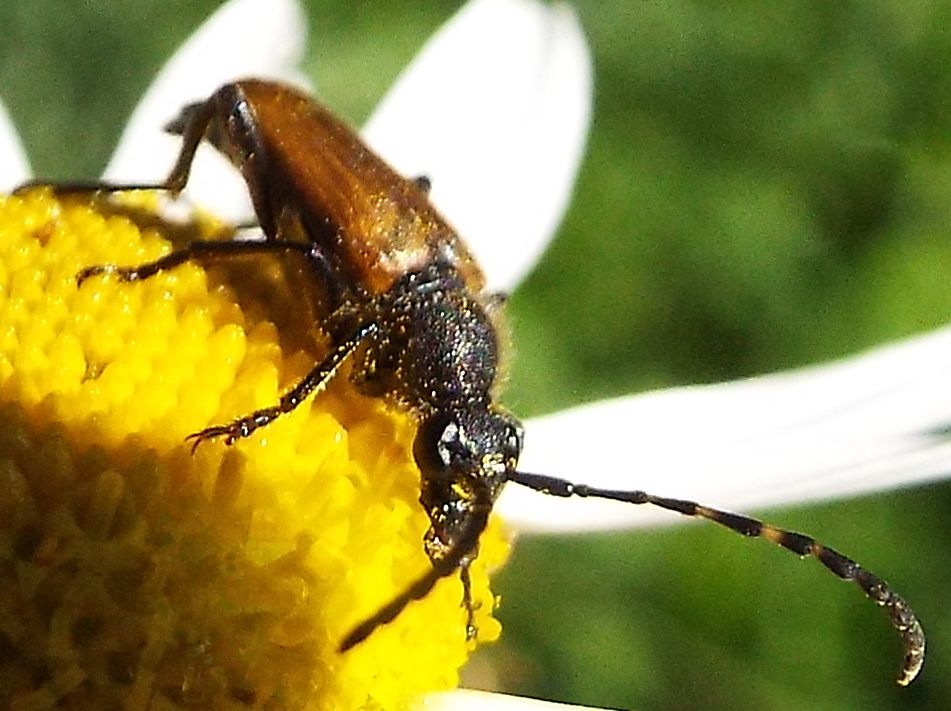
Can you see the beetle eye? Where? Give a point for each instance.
(437, 444)
(512, 435)
(450, 446)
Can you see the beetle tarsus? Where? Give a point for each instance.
(467, 604)
(96, 270)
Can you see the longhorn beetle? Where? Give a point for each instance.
(408, 306)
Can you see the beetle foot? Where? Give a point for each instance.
(124, 273)
(229, 432)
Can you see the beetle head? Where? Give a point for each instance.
(463, 455)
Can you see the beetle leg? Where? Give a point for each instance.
(191, 125)
(470, 608)
(197, 250)
(314, 382)
(456, 556)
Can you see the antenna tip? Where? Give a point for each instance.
(913, 636)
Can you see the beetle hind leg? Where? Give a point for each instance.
(191, 126)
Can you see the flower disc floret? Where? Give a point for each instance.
(137, 573)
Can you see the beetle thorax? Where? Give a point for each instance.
(437, 347)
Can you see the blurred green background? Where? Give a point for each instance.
(767, 185)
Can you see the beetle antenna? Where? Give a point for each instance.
(902, 617)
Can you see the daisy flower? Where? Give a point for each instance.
(224, 579)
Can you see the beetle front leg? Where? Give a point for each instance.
(471, 630)
(314, 382)
(462, 549)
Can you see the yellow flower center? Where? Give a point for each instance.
(134, 572)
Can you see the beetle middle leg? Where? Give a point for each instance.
(315, 381)
(198, 250)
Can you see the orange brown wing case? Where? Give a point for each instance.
(379, 223)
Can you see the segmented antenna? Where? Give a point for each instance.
(902, 617)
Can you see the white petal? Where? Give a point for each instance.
(261, 38)
(495, 110)
(14, 167)
(870, 422)
(465, 700)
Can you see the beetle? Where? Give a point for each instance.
(407, 306)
